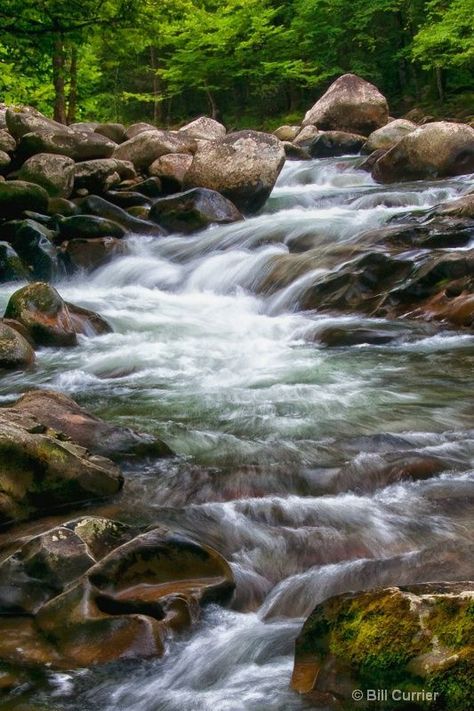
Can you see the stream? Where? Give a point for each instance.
(290, 451)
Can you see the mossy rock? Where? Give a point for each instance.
(11, 266)
(15, 351)
(416, 639)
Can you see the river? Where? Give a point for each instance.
(289, 451)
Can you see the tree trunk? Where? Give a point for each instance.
(212, 104)
(58, 79)
(439, 83)
(72, 99)
(156, 88)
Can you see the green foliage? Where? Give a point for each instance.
(245, 61)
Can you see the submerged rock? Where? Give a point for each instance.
(437, 150)
(49, 320)
(41, 470)
(99, 594)
(243, 166)
(350, 104)
(416, 639)
(193, 210)
(59, 412)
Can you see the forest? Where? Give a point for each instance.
(245, 62)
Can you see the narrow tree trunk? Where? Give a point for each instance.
(72, 99)
(58, 79)
(439, 83)
(212, 104)
(156, 88)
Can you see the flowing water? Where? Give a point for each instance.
(291, 454)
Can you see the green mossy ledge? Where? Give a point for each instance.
(411, 639)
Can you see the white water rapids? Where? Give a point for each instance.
(286, 448)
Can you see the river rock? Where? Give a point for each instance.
(25, 119)
(306, 135)
(389, 135)
(335, 143)
(61, 206)
(95, 205)
(127, 199)
(16, 196)
(49, 320)
(7, 142)
(88, 227)
(287, 133)
(204, 128)
(98, 176)
(62, 414)
(137, 128)
(33, 242)
(77, 145)
(243, 166)
(15, 351)
(11, 266)
(417, 638)
(147, 146)
(193, 210)
(55, 173)
(41, 470)
(115, 131)
(90, 254)
(294, 152)
(437, 150)
(98, 593)
(5, 162)
(171, 169)
(350, 104)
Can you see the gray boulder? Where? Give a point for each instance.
(55, 173)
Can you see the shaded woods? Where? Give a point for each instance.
(252, 62)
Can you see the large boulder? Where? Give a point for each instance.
(95, 592)
(59, 412)
(350, 104)
(98, 176)
(147, 146)
(193, 210)
(416, 643)
(25, 119)
(243, 166)
(16, 196)
(79, 146)
(41, 470)
(114, 131)
(137, 128)
(49, 320)
(437, 150)
(55, 173)
(204, 128)
(387, 136)
(15, 351)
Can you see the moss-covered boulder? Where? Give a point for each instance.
(62, 414)
(41, 469)
(15, 351)
(16, 196)
(49, 319)
(415, 643)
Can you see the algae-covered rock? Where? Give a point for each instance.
(41, 470)
(16, 196)
(59, 412)
(49, 319)
(417, 641)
